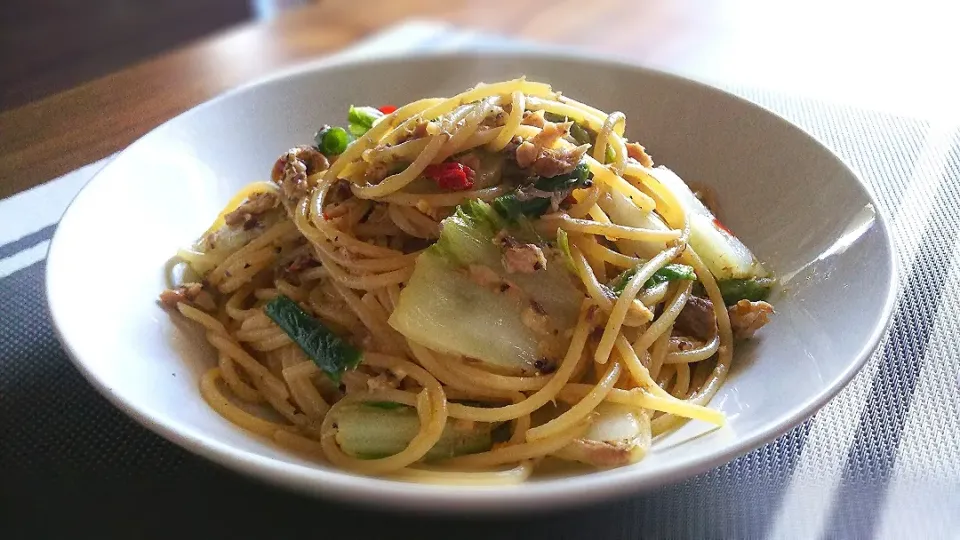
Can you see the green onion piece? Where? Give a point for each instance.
(670, 272)
(332, 141)
(753, 289)
(564, 242)
(554, 117)
(330, 353)
(609, 155)
(361, 119)
(580, 134)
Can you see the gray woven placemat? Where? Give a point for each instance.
(880, 460)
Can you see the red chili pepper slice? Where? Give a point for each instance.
(722, 227)
(387, 109)
(450, 175)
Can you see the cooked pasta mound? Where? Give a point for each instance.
(455, 290)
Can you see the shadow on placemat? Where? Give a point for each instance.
(70, 462)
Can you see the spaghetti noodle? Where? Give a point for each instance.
(456, 289)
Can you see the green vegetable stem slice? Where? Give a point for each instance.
(753, 289)
(373, 432)
(670, 272)
(564, 242)
(580, 134)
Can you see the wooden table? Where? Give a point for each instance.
(820, 47)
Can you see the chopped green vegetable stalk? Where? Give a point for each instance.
(670, 272)
(332, 141)
(370, 431)
(753, 289)
(330, 353)
(361, 119)
(564, 242)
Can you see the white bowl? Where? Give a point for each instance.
(800, 209)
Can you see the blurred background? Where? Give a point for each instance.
(876, 53)
(47, 46)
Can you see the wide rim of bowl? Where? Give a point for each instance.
(551, 493)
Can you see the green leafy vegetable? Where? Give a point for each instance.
(330, 353)
(361, 119)
(508, 206)
(753, 289)
(332, 141)
(579, 177)
(670, 272)
(465, 236)
(512, 208)
(482, 214)
(482, 217)
(473, 226)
